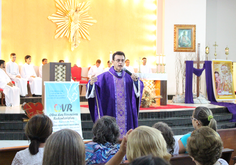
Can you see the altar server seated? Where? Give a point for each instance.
(12, 93)
(12, 70)
(145, 68)
(108, 66)
(128, 67)
(44, 61)
(28, 72)
(96, 69)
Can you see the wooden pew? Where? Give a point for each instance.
(228, 137)
(7, 154)
(186, 159)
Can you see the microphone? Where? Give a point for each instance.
(127, 71)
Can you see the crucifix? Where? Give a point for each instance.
(198, 62)
(198, 67)
(215, 45)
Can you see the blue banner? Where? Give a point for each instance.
(62, 105)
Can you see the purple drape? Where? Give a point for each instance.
(209, 85)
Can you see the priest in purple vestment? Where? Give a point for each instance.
(116, 93)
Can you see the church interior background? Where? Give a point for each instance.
(137, 27)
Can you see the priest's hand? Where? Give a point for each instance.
(93, 80)
(134, 77)
(10, 84)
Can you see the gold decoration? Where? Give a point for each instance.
(72, 20)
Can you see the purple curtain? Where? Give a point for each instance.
(189, 80)
(209, 84)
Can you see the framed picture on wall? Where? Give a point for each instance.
(184, 38)
(223, 83)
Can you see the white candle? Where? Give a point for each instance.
(110, 56)
(162, 58)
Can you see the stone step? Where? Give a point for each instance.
(12, 117)
(176, 113)
(12, 135)
(186, 129)
(12, 125)
(182, 121)
(179, 121)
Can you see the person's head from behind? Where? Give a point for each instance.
(204, 146)
(61, 61)
(143, 141)
(144, 60)
(202, 116)
(38, 129)
(149, 160)
(118, 60)
(44, 61)
(106, 130)
(127, 62)
(28, 59)
(64, 147)
(2, 64)
(13, 57)
(167, 134)
(98, 63)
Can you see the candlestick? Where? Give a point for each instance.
(226, 52)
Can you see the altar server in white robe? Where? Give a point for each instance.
(96, 69)
(12, 70)
(44, 61)
(144, 67)
(108, 66)
(28, 72)
(128, 67)
(12, 93)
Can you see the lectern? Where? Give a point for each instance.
(55, 71)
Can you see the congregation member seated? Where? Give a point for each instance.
(38, 129)
(95, 69)
(28, 72)
(149, 160)
(64, 147)
(105, 137)
(128, 67)
(143, 141)
(12, 93)
(205, 147)
(202, 116)
(44, 61)
(171, 141)
(12, 70)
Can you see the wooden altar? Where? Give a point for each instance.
(155, 84)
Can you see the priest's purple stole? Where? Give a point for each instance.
(120, 97)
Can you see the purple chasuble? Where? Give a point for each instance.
(115, 97)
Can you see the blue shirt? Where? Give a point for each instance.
(184, 139)
(98, 153)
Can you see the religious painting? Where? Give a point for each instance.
(184, 38)
(222, 76)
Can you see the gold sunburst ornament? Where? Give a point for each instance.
(72, 20)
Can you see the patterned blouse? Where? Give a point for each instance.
(98, 153)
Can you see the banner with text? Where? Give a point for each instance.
(62, 105)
